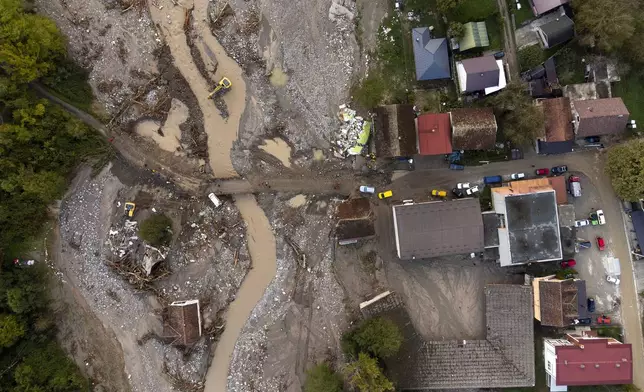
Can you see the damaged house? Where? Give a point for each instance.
(395, 131)
(182, 323)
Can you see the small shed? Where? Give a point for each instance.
(182, 323)
(474, 36)
(557, 31)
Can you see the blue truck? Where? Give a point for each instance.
(492, 180)
(454, 166)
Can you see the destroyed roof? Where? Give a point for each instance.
(504, 359)
(182, 323)
(601, 116)
(395, 131)
(434, 134)
(354, 208)
(558, 302)
(558, 119)
(430, 55)
(438, 228)
(354, 229)
(473, 128)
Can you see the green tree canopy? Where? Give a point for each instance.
(377, 336)
(156, 230)
(321, 378)
(519, 119)
(48, 369)
(456, 29)
(365, 375)
(605, 27)
(625, 166)
(30, 45)
(11, 330)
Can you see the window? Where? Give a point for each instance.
(549, 366)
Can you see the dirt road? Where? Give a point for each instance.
(509, 40)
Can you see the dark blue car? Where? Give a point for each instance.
(559, 170)
(591, 305)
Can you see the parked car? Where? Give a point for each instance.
(583, 321)
(463, 185)
(590, 304)
(454, 166)
(568, 264)
(574, 186)
(559, 170)
(542, 172)
(603, 319)
(471, 191)
(367, 189)
(214, 199)
(458, 192)
(585, 244)
(499, 55)
(492, 180)
(517, 176)
(612, 279)
(600, 243)
(600, 217)
(385, 194)
(592, 139)
(439, 193)
(582, 222)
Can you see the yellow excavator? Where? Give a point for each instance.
(129, 208)
(222, 87)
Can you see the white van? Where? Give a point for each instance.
(575, 189)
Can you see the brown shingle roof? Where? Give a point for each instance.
(558, 299)
(558, 183)
(473, 129)
(395, 131)
(558, 116)
(182, 323)
(504, 359)
(601, 116)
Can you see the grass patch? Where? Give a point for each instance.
(473, 11)
(473, 158)
(523, 15)
(631, 90)
(494, 25)
(486, 199)
(426, 11)
(610, 332)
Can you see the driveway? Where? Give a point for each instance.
(509, 40)
(417, 185)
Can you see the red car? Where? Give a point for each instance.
(542, 172)
(568, 264)
(603, 319)
(573, 179)
(600, 243)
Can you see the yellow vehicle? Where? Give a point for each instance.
(385, 194)
(222, 87)
(436, 192)
(129, 208)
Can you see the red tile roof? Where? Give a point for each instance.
(434, 134)
(597, 363)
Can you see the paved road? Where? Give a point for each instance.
(417, 185)
(509, 41)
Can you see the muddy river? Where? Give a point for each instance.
(221, 135)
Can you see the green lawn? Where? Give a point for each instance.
(631, 90)
(494, 26)
(473, 11)
(523, 15)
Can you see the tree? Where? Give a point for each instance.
(456, 30)
(156, 230)
(529, 57)
(321, 378)
(625, 166)
(377, 336)
(48, 369)
(447, 5)
(519, 119)
(607, 28)
(365, 375)
(11, 330)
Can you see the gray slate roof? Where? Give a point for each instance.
(482, 72)
(559, 30)
(430, 55)
(504, 359)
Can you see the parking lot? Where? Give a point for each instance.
(445, 296)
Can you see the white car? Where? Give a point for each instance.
(582, 223)
(471, 191)
(600, 217)
(214, 199)
(517, 176)
(367, 189)
(612, 279)
(463, 185)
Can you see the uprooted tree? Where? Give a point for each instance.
(156, 230)
(625, 166)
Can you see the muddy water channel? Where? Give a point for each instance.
(221, 135)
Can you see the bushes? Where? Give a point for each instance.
(365, 375)
(321, 378)
(156, 230)
(529, 57)
(378, 336)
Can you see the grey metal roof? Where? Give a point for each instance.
(438, 228)
(430, 55)
(504, 359)
(555, 147)
(482, 72)
(558, 30)
(533, 227)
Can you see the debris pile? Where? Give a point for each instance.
(353, 135)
